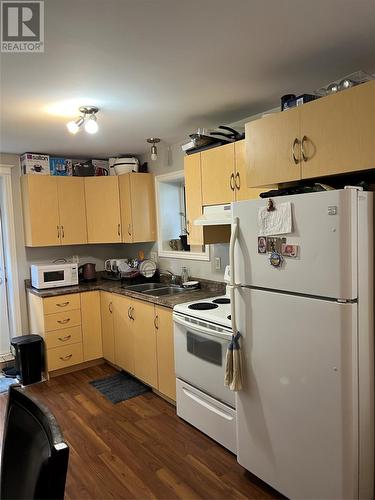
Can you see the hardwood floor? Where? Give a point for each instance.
(138, 448)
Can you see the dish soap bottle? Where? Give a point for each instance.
(184, 275)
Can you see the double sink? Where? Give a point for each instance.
(156, 289)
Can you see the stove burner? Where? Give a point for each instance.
(229, 317)
(224, 300)
(202, 306)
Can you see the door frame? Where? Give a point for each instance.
(10, 253)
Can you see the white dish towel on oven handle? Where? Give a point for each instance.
(233, 360)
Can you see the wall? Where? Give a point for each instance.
(171, 159)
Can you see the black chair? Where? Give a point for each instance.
(34, 457)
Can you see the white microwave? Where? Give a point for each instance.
(53, 275)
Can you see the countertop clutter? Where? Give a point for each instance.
(209, 289)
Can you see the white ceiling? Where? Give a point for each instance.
(164, 67)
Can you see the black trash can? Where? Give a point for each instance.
(29, 354)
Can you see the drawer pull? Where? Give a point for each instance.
(304, 156)
(64, 339)
(232, 182)
(295, 143)
(66, 358)
(63, 304)
(238, 181)
(63, 321)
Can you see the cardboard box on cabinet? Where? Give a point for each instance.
(35, 163)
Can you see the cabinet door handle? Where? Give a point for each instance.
(58, 232)
(110, 307)
(62, 232)
(231, 183)
(64, 339)
(131, 313)
(63, 304)
(238, 184)
(304, 156)
(156, 322)
(66, 358)
(119, 229)
(295, 143)
(129, 229)
(63, 321)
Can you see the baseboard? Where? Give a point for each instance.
(76, 368)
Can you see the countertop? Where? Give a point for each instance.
(208, 289)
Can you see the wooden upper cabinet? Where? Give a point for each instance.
(103, 209)
(165, 351)
(242, 191)
(126, 208)
(72, 210)
(40, 210)
(91, 325)
(269, 149)
(217, 166)
(337, 132)
(106, 312)
(138, 214)
(145, 357)
(193, 196)
(331, 135)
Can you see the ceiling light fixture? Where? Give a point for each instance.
(88, 117)
(154, 151)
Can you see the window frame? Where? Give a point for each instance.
(174, 254)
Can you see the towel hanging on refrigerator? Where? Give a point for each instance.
(233, 364)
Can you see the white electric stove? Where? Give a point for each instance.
(215, 310)
(202, 332)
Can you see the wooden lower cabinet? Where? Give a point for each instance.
(143, 329)
(70, 326)
(165, 351)
(138, 337)
(91, 325)
(108, 340)
(123, 333)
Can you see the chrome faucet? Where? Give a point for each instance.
(172, 276)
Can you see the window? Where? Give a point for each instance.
(171, 213)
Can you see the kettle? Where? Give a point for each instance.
(87, 272)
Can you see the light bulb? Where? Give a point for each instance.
(154, 153)
(72, 127)
(91, 125)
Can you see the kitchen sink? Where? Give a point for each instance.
(144, 287)
(168, 290)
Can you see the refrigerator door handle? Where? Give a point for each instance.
(232, 284)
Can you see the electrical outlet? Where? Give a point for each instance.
(217, 263)
(154, 256)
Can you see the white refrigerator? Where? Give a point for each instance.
(305, 416)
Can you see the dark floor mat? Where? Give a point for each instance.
(120, 387)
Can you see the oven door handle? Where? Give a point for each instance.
(203, 330)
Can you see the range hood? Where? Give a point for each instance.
(216, 223)
(215, 215)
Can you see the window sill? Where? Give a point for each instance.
(185, 255)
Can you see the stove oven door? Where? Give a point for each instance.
(200, 358)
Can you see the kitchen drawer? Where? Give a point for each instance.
(60, 320)
(61, 303)
(62, 357)
(210, 416)
(63, 337)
